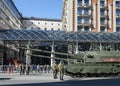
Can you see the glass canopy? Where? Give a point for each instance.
(52, 35)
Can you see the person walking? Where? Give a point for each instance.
(61, 70)
(55, 70)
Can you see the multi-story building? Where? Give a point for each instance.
(42, 23)
(10, 17)
(91, 15)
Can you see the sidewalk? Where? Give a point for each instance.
(36, 76)
(15, 78)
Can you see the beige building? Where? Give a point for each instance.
(42, 23)
(91, 15)
(10, 18)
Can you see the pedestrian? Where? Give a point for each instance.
(48, 68)
(55, 70)
(45, 68)
(38, 68)
(41, 68)
(61, 70)
(20, 69)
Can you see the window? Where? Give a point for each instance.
(31, 22)
(102, 11)
(58, 24)
(3, 5)
(117, 3)
(102, 29)
(86, 28)
(79, 20)
(86, 11)
(117, 29)
(118, 21)
(38, 22)
(51, 23)
(45, 23)
(102, 20)
(117, 12)
(80, 2)
(86, 2)
(79, 28)
(102, 3)
(86, 20)
(52, 29)
(79, 10)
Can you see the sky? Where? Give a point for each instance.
(40, 8)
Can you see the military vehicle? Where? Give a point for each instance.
(89, 63)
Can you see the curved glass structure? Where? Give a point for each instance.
(51, 35)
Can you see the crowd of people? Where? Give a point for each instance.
(34, 69)
(23, 69)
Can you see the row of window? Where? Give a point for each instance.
(38, 28)
(102, 3)
(85, 1)
(40, 23)
(102, 29)
(87, 28)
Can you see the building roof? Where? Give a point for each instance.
(59, 36)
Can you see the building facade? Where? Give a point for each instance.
(91, 15)
(42, 23)
(10, 17)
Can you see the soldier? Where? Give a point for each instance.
(61, 69)
(55, 70)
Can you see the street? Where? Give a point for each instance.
(46, 79)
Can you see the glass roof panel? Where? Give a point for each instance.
(57, 35)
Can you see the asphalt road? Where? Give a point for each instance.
(47, 80)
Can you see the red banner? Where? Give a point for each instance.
(111, 59)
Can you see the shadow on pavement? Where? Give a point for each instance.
(102, 82)
(5, 78)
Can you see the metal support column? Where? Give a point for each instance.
(76, 48)
(52, 55)
(28, 57)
